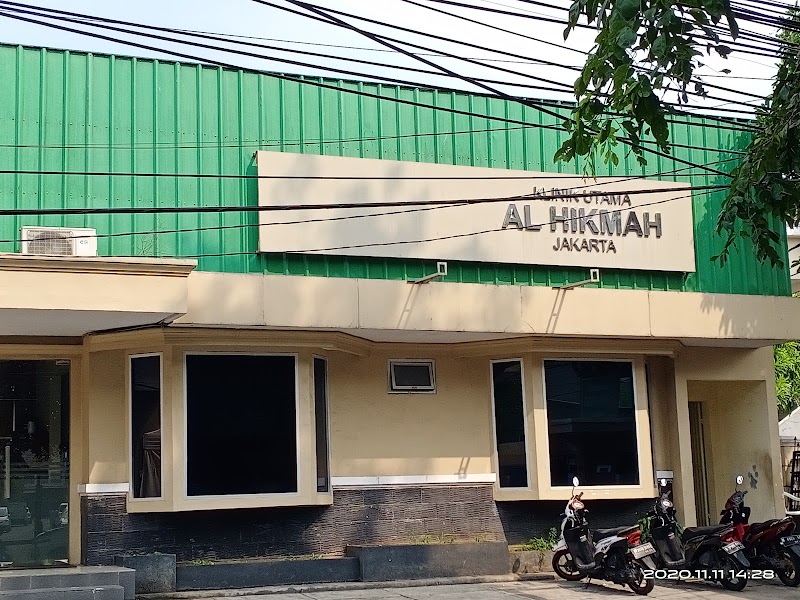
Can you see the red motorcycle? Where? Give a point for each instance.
(769, 545)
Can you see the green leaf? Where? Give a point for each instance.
(626, 38)
(723, 50)
(628, 8)
(574, 13)
(732, 25)
(621, 74)
(659, 48)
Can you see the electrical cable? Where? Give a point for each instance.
(318, 84)
(147, 210)
(567, 88)
(449, 55)
(627, 141)
(750, 49)
(365, 245)
(295, 177)
(474, 7)
(563, 88)
(451, 40)
(417, 241)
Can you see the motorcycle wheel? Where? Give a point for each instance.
(638, 583)
(791, 575)
(565, 567)
(729, 581)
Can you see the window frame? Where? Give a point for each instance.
(327, 419)
(636, 407)
(129, 384)
(233, 497)
(495, 454)
(392, 387)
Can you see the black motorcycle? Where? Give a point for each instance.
(617, 555)
(662, 529)
(711, 553)
(714, 553)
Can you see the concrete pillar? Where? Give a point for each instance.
(683, 485)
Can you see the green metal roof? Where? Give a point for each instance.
(67, 111)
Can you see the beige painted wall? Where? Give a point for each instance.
(737, 387)
(738, 430)
(377, 433)
(308, 303)
(106, 414)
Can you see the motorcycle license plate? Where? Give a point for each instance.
(790, 540)
(733, 547)
(643, 550)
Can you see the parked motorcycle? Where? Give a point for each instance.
(617, 555)
(770, 545)
(663, 531)
(697, 552)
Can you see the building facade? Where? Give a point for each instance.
(260, 363)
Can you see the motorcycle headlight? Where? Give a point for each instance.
(666, 503)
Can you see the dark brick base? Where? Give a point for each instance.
(357, 516)
(526, 519)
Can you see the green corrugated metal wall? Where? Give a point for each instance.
(63, 111)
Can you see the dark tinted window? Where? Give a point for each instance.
(591, 422)
(321, 422)
(241, 424)
(509, 423)
(146, 425)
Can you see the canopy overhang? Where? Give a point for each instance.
(73, 296)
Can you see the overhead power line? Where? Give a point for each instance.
(740, 14)
(92, 22)
(624, 140)
(531, 177)
(302, 80)
(351, 246)
(475, 7)
(394, 41)
(735, 45)
(146, 210)
(345, 25)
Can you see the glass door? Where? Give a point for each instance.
(34, 462)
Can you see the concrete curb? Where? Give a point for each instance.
(355, 585)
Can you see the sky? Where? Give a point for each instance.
(292, 32)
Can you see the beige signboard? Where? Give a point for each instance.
(382, 208)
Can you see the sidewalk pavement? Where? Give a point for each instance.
(502, 588)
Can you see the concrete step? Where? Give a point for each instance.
(54, 580)
(103, 592)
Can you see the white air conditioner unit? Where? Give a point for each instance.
(59, 241)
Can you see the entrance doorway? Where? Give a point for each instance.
(34, 462)
(699, 463)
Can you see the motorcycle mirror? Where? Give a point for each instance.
(663, 483)
(739, 480)
(575, 482)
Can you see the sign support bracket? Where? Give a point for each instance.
(594, 277)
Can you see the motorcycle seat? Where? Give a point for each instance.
(691, 532)
(759, 527)
(600, 534)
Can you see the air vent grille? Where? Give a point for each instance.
(59, 241)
